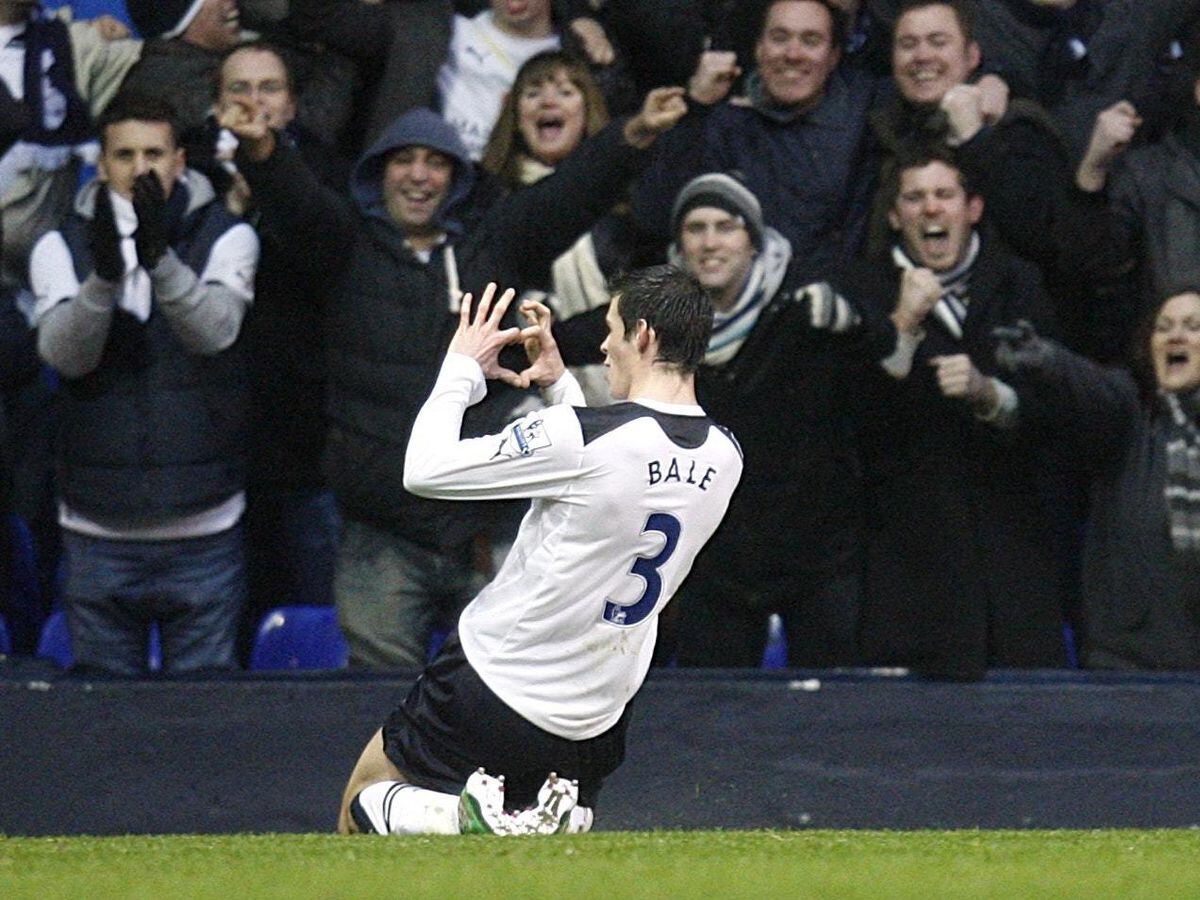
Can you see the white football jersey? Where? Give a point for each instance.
(624, 497)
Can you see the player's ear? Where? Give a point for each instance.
(645, 335)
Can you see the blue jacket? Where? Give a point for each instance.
(813, 174)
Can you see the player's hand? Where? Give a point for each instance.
(661, 109)
(920, 291)
(715, 74)
(546, 363)
(596, 45)
(480, 336)
(1111, 135)
(150, 204)
(958, 378)
(104, 241)
(249, 125)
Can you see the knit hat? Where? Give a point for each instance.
(724, 192)
(164, 19)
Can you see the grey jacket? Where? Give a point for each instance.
(1141, 597)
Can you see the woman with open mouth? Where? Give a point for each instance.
(555, 112)
(1141, 443)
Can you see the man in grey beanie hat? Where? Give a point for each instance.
(720, 191)
(789, 543)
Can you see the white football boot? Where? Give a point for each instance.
(557, 799)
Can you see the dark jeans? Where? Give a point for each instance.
(193, 588)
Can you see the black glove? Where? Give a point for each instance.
(150, 204)
(1020, 349)
(104, 241)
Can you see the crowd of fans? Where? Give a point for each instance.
(953, 249)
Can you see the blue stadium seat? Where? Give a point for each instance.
(5, 643)
(299, 637)
(775, 651)
(55, 643)
(89, 9)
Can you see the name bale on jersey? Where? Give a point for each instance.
(686, 471)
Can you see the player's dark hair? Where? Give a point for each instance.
(132, 106)
(839, 21)
(962, 12)
(672, 302)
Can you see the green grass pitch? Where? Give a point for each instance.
(717, 864)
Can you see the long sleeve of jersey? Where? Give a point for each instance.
(539, 455)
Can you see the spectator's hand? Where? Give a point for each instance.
(596, 45)
(1111, 135)
(661, 109)
(828, 310)
(546, 363)
(994, 93)
(920, 291)
(958, 378)
(480, 336)
(1019, 347)
(104, 241)
(714, 76)
(239, 195)
(963, 105)
(248, 124)
(150, 204)
(109, 28)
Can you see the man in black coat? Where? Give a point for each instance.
(290, 191)
(963, 568)
(789, 543)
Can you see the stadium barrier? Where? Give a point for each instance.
(266, 753)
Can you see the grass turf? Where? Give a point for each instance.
(1090, 864)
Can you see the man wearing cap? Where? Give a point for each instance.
(789, 543)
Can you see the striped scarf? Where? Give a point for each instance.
(732, 326)
(1182, 488)
(951, 310)
(60, 127)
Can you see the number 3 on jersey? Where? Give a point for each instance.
(646, 568)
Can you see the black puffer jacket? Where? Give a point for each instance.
(391, 318)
